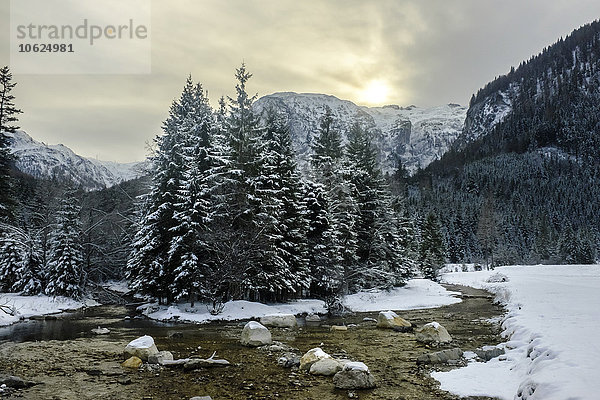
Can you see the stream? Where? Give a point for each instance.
(72, 363)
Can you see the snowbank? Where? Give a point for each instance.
(233, 310)
(27, 306)
(418, 293)
(552, 324)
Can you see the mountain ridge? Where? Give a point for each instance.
(414, 135)
(63, 164)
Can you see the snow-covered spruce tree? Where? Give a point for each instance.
(11, 257)
(64, 273)
(8, 115)
(432, 249)
(21, 262)
(150, 267)
(195, 208)
(332, 265)
(381, 260)
(257, 204)
(281, 215)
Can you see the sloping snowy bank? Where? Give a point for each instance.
(27, 306)
(552, 329)
(418, 293)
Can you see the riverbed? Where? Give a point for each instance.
(72, 363)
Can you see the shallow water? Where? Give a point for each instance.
(74, 364)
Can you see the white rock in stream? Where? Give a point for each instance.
(141, 347)
(255, 334)
(279, 320)
(100, 331)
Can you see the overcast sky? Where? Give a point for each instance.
(424, 52)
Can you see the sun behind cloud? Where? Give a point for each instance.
(375, 93)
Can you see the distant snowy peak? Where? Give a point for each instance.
(415, 135)
(61, 163)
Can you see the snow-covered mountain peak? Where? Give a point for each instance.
(415, 135)
(61, 163)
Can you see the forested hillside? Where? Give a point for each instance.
(522, 181)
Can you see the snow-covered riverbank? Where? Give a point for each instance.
(418, 293)
(26, 306)
(552, 351)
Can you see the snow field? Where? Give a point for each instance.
(551, 327)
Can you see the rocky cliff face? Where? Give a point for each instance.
(416, 136)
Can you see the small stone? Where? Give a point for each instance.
(288, 360)
(132, 362)
(201, 398)
(175, 335)
(124, 380)
(338, 328)
(489, 352)
(441, 357)
(313, 318)
(160, 357)
(100, 331)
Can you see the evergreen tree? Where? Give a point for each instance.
(65, 275)
(432, 249)
(190, 246)
(8, 115)
(332, 265)
(283, 218)
(150, 267)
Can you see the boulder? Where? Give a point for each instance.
(255, 334)
(440, 357)
(279, 320)
(433, 333)
(311, 357)
(160, 357)
(141, 347)
(201, 398)
(132, 362)
(312, 318)
(354, 375)
(391, 320)
(326, 367)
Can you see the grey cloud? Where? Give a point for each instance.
(430, 52)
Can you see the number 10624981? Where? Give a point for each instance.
(46, 48)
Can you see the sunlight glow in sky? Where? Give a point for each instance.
(421, 52)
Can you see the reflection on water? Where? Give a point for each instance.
(72, 325)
